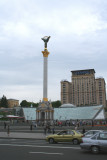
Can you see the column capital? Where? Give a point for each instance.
(45, 53)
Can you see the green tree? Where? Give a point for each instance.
(56, 104)
(24, 103)
(35, 104)
(4, 102)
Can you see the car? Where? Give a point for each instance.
(65, 136)
(96, 143)
(91, 133)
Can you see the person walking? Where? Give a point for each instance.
(45, 130)
(31, 127)
(4, 125)
(76, 127)
(8, 130)
(83, 130)
(53, 130)
(49, 129)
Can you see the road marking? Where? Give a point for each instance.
(17, 145)
(33, 143)
(47, 153)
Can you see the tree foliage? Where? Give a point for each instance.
(4, 102)
(24, 103)
(56, 104)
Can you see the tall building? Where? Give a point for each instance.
(100, 91)
(65, 92)
(84, 89)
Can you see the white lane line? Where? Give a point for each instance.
(27, 143)
(47, 153)
(17, 145)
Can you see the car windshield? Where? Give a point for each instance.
(89, 133)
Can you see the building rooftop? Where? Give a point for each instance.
(67, 113)
(68, 105)
(11, 99)
(83, 72)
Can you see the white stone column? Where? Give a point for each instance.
(48, 115)
(39, 115)
(45, 75)
(45, 115)
(51, 115)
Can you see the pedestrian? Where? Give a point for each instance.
(83, 130)
(53, 130)
(8, 130)
(4, 125)
(45, 130)
(31, 127)
(35, 125)
(76, 128)
(49, 129)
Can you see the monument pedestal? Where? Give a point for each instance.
(45, 113)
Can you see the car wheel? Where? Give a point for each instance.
(75, 141)
(95, 149)
(51, 140)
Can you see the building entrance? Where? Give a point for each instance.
(42, 116)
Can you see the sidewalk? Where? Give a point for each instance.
(23, 135)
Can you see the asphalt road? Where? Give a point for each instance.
(22, 149)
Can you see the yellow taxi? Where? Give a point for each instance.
(65, 136)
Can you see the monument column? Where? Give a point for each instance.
(45, 67)
(45, 106)
(45, 74)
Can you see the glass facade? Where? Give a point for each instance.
(77, 113)
(29, 113)
(73, 113)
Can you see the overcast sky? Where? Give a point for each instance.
(78, 30)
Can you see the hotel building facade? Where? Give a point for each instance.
(84, 89)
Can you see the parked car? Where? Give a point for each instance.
(65, 136)
(91, 133)
(96, 143)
